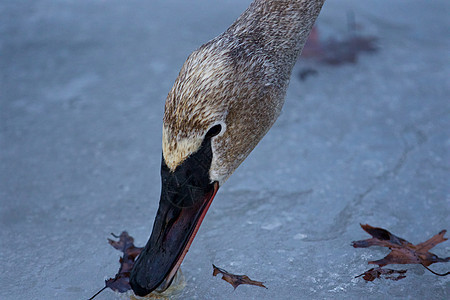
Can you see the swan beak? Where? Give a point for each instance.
(186, 196)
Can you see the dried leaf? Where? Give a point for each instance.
(373, 273)
(402, 251)
(338, 52)
(121, 282)
(236, 280)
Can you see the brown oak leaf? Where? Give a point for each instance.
(373, 273)
(236, 280)
(121, 282)
(402, 251)
(338, 52)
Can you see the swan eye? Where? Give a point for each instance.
(213, 131)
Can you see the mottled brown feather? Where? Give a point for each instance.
(239, 80)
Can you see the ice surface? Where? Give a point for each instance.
(82, 90)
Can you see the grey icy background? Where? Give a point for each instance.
(82, 89)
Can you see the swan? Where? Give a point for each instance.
(226, 97)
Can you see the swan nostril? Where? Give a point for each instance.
(213, 131)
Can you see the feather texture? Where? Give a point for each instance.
(238, 80)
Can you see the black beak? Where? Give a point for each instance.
(186, 195)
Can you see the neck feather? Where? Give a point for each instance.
(278, 27)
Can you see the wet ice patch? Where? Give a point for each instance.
(271, 225)
(300, 236)
(74, 88)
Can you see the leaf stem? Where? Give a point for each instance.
(445, 274)
(96, 294)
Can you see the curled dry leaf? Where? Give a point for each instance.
(402, 252)
(338, 52)
(335, 52)
(236, 280)
(373, 273)
(121, 282)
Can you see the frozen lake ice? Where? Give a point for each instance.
(82, 90)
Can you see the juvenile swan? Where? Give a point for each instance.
(227, 96)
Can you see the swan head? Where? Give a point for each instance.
(226, 97)
(218, 109)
